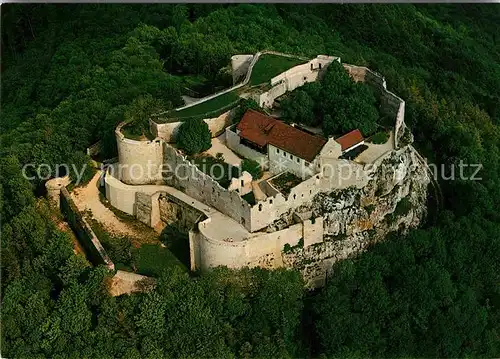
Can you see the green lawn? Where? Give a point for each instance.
(264, 70)
(269, 66)
(217, 103)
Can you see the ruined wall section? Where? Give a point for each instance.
(260, 250)
(186, 177)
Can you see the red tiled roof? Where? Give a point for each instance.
(261, 130)
(350, 139)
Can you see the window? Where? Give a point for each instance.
(311, 69)
(242, 184)
(298, 160)
(277, 150)
(305, 78)
(291, 157)
(320, 66)
(260, 207)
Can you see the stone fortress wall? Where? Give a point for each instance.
(190, 180)
(295, 77)
(168, 130)
(140, 161)
(254, 247)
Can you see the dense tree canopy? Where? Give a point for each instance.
(194, 136)
(337, 104)
(71, 73)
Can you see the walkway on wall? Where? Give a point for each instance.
(87, 198)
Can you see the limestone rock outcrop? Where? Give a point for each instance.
(393, 200)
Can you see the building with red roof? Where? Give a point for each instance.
(350, 140)
(285, 147)
(260, 130)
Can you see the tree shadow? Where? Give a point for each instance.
(177, 241)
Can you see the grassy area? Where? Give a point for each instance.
(137, 132)
(147, 259)
(269, 66)
(219, 170)
(217, 103)
(285, 182)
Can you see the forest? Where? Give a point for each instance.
(71, 73)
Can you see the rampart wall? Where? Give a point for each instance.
(295, 77)
(140, 161)
(193, 182)
(96, 252)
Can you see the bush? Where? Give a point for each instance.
(379, 138)
(252, 167)
(194, 136)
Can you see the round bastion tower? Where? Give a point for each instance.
(54, 187)
(139, 162)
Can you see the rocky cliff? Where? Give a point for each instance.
(393, 200)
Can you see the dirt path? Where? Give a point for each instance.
(87, 198)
